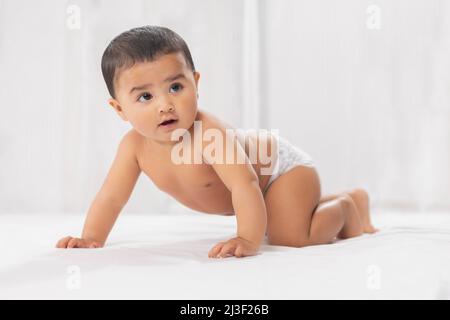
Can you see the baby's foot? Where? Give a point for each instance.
(361, 199)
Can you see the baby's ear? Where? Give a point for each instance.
(115, 104)
(196, 78)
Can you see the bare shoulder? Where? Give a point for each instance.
(131, 139)
(211, 126)
(210, 121)
(130, 144)
(216, 153)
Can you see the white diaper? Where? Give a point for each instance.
(289, 156)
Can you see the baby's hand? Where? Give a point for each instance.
(237, 247)
(70, 242)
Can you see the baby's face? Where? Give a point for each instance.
(151, 92)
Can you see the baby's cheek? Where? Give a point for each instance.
(143, 127)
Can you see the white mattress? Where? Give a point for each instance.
(165, 257)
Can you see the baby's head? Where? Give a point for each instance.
(151, 78)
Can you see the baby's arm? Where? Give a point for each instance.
(111, 198)
(248, 204)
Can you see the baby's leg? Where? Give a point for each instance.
(361, 199)
(296, 218)
(337, 217)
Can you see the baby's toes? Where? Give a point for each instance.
(370, 229)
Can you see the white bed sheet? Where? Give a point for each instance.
(165, 257)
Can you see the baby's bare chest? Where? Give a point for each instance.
(183, 177)
(195, 185)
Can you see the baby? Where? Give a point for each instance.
(150, 75)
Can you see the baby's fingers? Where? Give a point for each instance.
(73, 243)
(78, 243)
(63, 242)
(227, 249)
(242, 251)
(215, 250)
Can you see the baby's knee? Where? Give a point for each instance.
(345, 202)
(360, 193)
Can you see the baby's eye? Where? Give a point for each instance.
(177, 87)
(147, 96)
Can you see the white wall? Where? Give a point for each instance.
(371, 106)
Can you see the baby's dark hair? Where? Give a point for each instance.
(141, 44)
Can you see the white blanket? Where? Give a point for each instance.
(165, 257)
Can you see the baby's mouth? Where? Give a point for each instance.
(167, 122)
